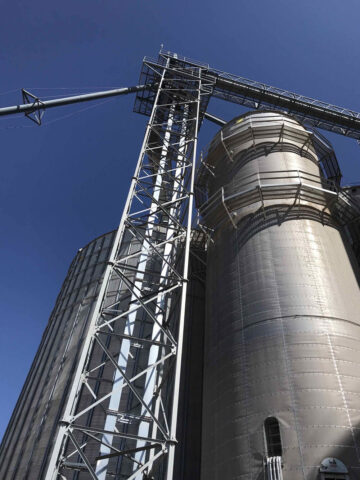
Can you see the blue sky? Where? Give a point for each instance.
(64, 183)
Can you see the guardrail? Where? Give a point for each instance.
(291, 187)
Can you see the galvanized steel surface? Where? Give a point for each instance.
(282, 334)
(27, 442)
(28, 438)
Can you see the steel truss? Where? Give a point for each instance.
(121, 415)
(257, 95)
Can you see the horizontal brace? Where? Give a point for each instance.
(130, 436)
(101, 442)
(75, 466)
(138, 339)
(140, 276)
(137, 307)
(214, 119)
(126, 452)
(152, 248)
(108, 395)
(151, 175)
(131, 386)
(160, 205)
(180, 122)
(121, 260)
(189, 74)
(151, 315)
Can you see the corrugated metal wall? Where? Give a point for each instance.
(28, 439)
(282, 336)
(29, 435)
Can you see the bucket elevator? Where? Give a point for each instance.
(223, 344)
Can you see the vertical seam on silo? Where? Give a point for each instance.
(305, 242)
(293, 397)
(341, 388)
(35, 401)
(289, 374)
(338, 376)
(244, 357)
(62, 363)
(333, 357)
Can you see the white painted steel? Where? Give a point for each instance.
(112, 399)
(52, 470)
(151, 377)
(117, 389)
(175, 406)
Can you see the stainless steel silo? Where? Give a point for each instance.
(282, 337)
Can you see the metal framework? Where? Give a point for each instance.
(121, 415)
(131, 359)
(257, 95)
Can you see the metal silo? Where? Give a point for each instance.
(29, 435)
(282, 338)
(26, 446)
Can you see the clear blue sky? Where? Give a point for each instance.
(64, 183)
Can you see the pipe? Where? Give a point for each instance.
(28, 108)
(214, 119)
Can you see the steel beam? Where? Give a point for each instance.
(214, 119)
(257, 95)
